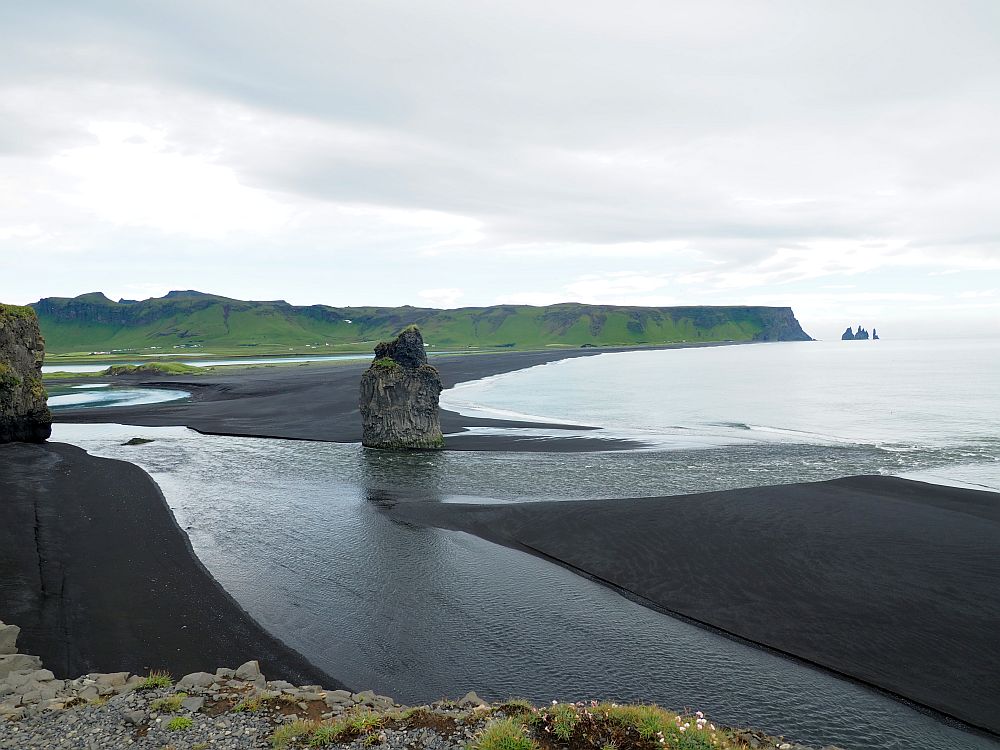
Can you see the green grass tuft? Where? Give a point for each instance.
(168, 705)
(156, 679)
(504, 734)
(179, 723)
(284, 735)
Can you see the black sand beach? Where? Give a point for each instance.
(319, 401)
(889, 581)
(97, 574)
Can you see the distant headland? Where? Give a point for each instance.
(190, 321)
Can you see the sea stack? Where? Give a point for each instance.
(399, 396)
(24, 414)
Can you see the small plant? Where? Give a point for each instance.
(327, 734)
(168, 705)
(179, 723)
(199, 746)
(561, 720)
(251, 705)
(412, 713)
(386, 362)
(371, 739)
(504, 734)
(284, 735)
(156, 680)
(365, 721)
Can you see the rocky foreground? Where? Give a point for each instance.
(240, 708)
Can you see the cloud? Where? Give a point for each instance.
(133, 175)
(636, 154)
(446, 298)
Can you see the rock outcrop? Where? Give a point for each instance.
(24, 414)
(860, 335)
(399, 396)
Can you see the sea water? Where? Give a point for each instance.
(859, 406)
(292, 528)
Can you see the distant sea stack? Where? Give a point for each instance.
(860, 335)
(24, 414)
(399, 396)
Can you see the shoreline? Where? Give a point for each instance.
(319, 401)
(110, 577)
(703, 557)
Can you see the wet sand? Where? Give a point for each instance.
(100, 578)
(892, 582)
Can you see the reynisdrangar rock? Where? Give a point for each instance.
(24, 414)
(399, 396)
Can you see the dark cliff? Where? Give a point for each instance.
(24, 414)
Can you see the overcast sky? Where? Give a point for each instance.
(840, 157)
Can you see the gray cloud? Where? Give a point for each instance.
(735, 131)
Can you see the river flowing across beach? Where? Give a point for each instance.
(288, 527)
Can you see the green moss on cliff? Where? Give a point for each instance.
(16, 311)
(386, 362)
(8, 380)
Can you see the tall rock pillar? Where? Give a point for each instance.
(399, 396)
(24, 414)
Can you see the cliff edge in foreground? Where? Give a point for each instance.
(241, 709)
(24, 414)
(399, 396)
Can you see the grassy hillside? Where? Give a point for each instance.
(189, 322)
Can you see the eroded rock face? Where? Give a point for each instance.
(399, 396)
(24, 414)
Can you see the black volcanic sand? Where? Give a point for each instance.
(892, 582)
(99, 577)
(319, 401)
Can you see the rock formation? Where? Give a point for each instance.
(874, 334)
(399, 396)
(860, 335)
(24, 414)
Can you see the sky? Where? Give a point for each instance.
(838, 156)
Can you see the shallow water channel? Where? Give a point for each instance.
(290, 529)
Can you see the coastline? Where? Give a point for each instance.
(246, 399)
(319, 401)
(98, 574)
(887, 581)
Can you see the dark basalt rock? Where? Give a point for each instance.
(407, 349)
(24, 413)
(860, 335)
(399, 396)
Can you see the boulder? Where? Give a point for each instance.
(24, 413)
(248, 672)
(18, 663)
(195, 680)
(399, 396)
(8, 638)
